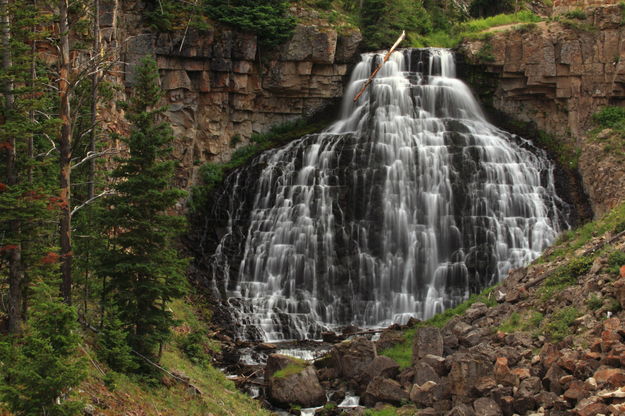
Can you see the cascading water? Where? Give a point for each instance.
(404, 207)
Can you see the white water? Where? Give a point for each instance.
(401, 209)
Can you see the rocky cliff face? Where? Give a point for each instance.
(557, 74)
(221, 86)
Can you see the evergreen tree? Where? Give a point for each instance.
(382, 21)
(38, 371)
(143, 267)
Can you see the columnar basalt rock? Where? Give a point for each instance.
(221, 86)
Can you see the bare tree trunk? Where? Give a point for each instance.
(65, 150)
(15, 253)
(95, 79)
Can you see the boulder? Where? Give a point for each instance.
(502, 372)
(487, 407)
(427, 340)
(352, 358)
(382, 389)
(466, 370)
(461, 410)
(424, 372)
(382, 366)
(297, 385)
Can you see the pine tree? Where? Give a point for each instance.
(39, 370)
(143, 267)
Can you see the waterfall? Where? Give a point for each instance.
(404, 207)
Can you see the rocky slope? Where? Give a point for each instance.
(220, 85)
(550, 340)
(556, 74)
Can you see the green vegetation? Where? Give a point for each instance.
(296, 366)
(402, 352)
(44, 364)
(611, 118)
(571, 241)
(566, 275)
(139, 282)
(476, 29)
(576, 14)
(566, 153)
(267, 19)
(383, 20)
(528, 321)
(386, 411)
(212, 174)
(558, 325)
(594, 302)
(616, 259)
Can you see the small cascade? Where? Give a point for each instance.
(404, 207)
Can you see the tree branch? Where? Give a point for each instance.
(89, 201)
(93, 155)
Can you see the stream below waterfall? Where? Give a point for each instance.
(404, 207)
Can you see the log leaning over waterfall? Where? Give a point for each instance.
(374, 73)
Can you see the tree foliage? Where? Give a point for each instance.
(39, 370)
(268, 19)
(142, 266)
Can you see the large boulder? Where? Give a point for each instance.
(292, 382)
(466, 371)
(427, 340)
(352, 358)
(382, 366)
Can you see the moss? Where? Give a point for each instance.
(296, 366)
(386, 411)
(578, 14)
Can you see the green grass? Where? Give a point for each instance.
(616, 259)
(387, 411)
(571, 241)
(530, 320)
(122, 394)
(566, 276)
(402, 353)
(295, 367)
(474, 29)
(594, 302)
(558, 326)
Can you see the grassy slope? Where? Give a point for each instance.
(132, 396)
(568, 265)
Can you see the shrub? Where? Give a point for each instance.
(576, 14)
(594, 302)
(559, 326)
(610, 117)
(615, 261)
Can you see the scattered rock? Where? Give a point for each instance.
(382, 389)
(487, 407)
